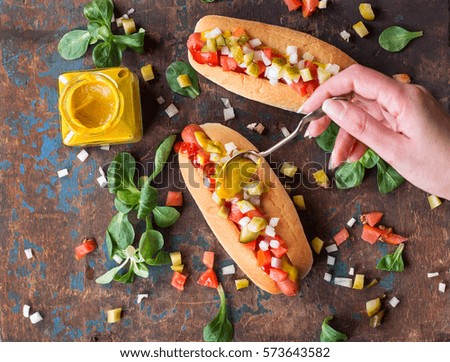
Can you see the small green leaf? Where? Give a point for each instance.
(121, 231)
(162, 154)
(150, 243)
(99, 11)
(74, 44)
(162, 258)
(126, 278)
(178, 68)
(141, 270)
(329, 334)
(350, 174)
(369, 159)
(387, 178)
(165, 216)
(110, 274)
(395, 38)
(147, 201)
(393, 262)
(133, 41)
(106, 55)
(129, 197)
(121, 173)
(220, 328)
(327, 139)
(121, 207)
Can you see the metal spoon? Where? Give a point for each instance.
(307, 118)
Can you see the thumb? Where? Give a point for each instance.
(364, 127)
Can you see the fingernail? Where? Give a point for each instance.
(326, 106)
(300, 110)
(307, 134)
(330, 163)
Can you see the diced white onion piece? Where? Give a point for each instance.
(264, 245)
(432, 275)
(160, 100)
(276, 262)
(63, 173)
(225, 159)
(291, 49)
(265, 59)
(213, 33)
(442, 287)
(260, 128)
(274, 244)
(226, 102)
(272, 72)
(68, 137)
(344, 282)
(36, 318)
(274, 221)
(216, 198)
(125, 16)
(102, 181)
(351, 271)
(301, 64)
(331, 248)
(230, 147)
(351, 222)
(293, 58)
(247, 50)
(331, 260)
(244, 221)
(244, 206)
(255, 42)
(228, 269)
(26, 310)
(243, 66)
(83, 155)
(100, 170)
(117, 259)
(214, 157)
(270, 231)
(273, 81)
(394, 302)
(332, 68)
(28, 253)
(130, 11)
(285, 131)
(322, 4)
(104, 147)
(225, 50)
(327, 277)
(140, 297)
(308, 56)
(257, 56)
(345, 35)
(287, 80)
(228, 113)
(255, 200)
(251, 126)
(171, 110)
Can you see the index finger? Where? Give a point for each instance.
(362, 80)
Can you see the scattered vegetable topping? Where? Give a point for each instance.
(321, 178)
(376, 319)
(432, 275)
(114, 315)
(36, 318)
(160, 100)
(394, 302)
(442, 287)
(83, 155)
(359, 281)
(174, 198)
(331, 248)
(228, 114)
(371, 218)
(396, 38)
(366, 11)
(341, 236)
(228, 270)
(331, 260)
(171, 110)
(147, 72)
(26, 310)
(351, 271)
(299, 201)
(327, 277)
(317, 245)
(208, 279)
(288, 169)
(108, 53)
(84, 248)
(140, 297)
(351, 222)
(344, 282)
(434, 201)
(208, 259)
(392, 262)
(360, 29)
(402, 78)
(241, 283)
(345, 35)
(220, 328)
(188, 75)
(373, 306)
(329, 334)
(63, 173)
(28, 253)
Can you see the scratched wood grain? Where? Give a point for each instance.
(52, 216)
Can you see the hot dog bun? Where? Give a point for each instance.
(275, 203)
(278, 38)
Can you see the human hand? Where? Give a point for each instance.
(402, 123)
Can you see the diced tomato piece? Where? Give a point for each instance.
(371, 218)
(189, 149)
(178, 280)
(254, 213)
(280, 251)
(239, 32)
(268, 53)
(177, 146)
(263, 257)
(208, 279)
(300, 88)
(197, 55)
(251, 245)
(341, 236)
(208, 259)
(195, 42)
(288, 287)
(309, 6)
(227, 63)
(188, 133)
(311, 86)
(235, 214)
(201, 158)
(261, 69)
(210, 58)
(371, 234)
(174, 198)
(293, 4)
(278, 275)
(86, 247)
(394, 239)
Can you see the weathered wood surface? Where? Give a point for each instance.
(53, 215)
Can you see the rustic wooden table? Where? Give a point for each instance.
(51, 216)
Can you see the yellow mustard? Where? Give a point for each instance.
(100, 106)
